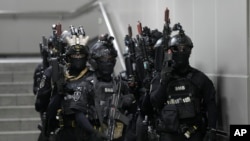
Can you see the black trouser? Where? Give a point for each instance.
(198, 136)
(141, 130)
(67, 134)
(130, 130)
(42, 136)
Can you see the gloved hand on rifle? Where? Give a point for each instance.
(210, 135)
(167, 69)
(166, 73)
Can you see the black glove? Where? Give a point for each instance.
(166, 72)
(210, 135)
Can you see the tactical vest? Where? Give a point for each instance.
(79, 97)
(182, 105)
(184, 95)
(103, 93)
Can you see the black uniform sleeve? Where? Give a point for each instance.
(44, 92)
(208, 92)
(210, 102)
(157, 93)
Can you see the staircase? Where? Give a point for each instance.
(18, 118)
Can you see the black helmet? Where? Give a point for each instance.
(103, 47)
(180, 39)
(103, 55)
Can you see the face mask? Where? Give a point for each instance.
(77, 64)
(181, 60)
(106, 68)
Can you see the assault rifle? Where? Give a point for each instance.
(159, 50)
(166, 28)
(44, 48)
(58, 61)
(142, 46)
(144, 70)
(114, 113)
(130, 57)
(57, 42)
(44, 43)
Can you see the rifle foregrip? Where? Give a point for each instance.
(166, 15)
(130, 31)
(58, 29)
(139, 28)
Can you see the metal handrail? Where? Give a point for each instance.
(51, 14)
(68, 15)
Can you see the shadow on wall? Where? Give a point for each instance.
(222, 115)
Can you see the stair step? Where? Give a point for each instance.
(19, 124)
(26, 76)
(16, 99)
(18, 111)
(17, 135)
(16, 87)
(19, 64)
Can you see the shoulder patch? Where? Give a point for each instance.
(42, 82)
(77, 93)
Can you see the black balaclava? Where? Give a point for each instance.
(77, 56)
(181, 61)
(105, 69)
(77, 65)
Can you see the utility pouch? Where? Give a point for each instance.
(169, 121)
(186, 110)
(118, 130)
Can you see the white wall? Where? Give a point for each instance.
(21, 33)
(218, 29)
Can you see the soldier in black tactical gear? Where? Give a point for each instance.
(183, 97)
(45, 87)
(38, 74)
(112, 95)
(44, 52)
(73, 99)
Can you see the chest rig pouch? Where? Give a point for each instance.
(103, 93)
(182, 103)
(78, 98)
(183, 94)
